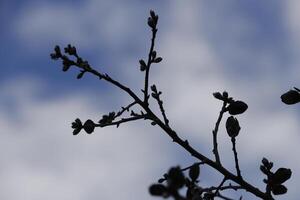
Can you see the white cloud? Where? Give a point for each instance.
(41, 159)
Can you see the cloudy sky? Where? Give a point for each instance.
(250, 49)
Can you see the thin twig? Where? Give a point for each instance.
(156, 95)
(227, 187)
(125, 109)
(215, 133)
(124, 120)
(236, 160)
(223, 197)
(220, 185)
(149, 62)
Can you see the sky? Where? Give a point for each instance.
(248, 48)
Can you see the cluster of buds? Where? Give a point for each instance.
(106, 119)
(176, 179)
(233, 108)
(275, 180)
(67, 62)
(152, 20)
(88, 126)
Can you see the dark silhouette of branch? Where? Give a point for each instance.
(215, 133)
(236, 160)
(156, 95)
(175, 178)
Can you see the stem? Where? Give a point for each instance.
(236, 160)
(154, 31)
(215, 133)
(218, 188)
(124, 120)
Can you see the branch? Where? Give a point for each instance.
(238, 171)
(185, 145)
(153, 19)
(124, 120)
(125, 109)
(156, 95)
(218, 188)
(232, 187)
(215, 133)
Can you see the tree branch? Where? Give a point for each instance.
(215, 133)
(237, 167)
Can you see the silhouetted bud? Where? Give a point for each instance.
(237, 107)
(80, 75)
(232, 126)
(291, 97)
(264, 170)
(57, 50)
(89, 126)
(267, 164)
(157, 60)
(225, 94)
(151, 22)
(279, 189)
(143, 65)
(265, 161)
(71, 50)
(56, 54)
(161, 180)
(281, 175)
(66, 68)
(194, 172)
(152, 14)
(175, 178)
(153, 88)
(158, 190)
(218, 95)
(77, 126)
(153, 54)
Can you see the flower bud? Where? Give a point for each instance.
(290, 97)
(89, 126)
(218, 95)
(158, 190)
(232, 126)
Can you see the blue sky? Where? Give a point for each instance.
(250, 49)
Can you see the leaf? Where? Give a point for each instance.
(281, 175)
(237, 107)
(279, 189)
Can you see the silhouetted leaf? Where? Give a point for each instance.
(281, 175)
(279, 189)
(237, 107)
